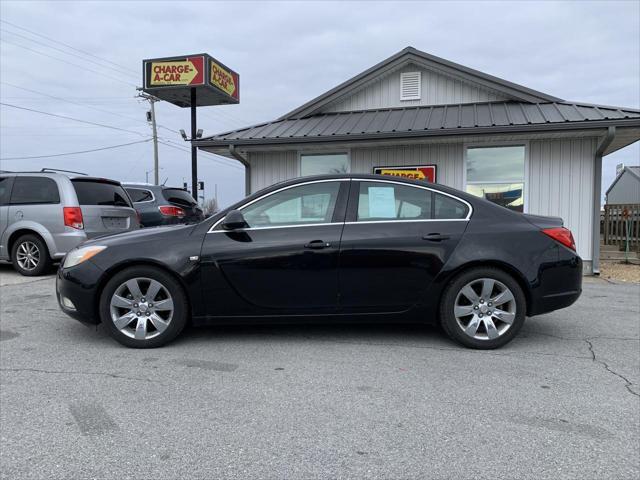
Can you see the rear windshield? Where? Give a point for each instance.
(178, 196)
(100, 193)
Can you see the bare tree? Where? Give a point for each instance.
(210, 206)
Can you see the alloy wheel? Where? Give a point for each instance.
(28, 256)
(485, 309)
(141, 308)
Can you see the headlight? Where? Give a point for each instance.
(75, 257)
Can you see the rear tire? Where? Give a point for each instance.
(30, 255)
(143, 307)
(483, 308)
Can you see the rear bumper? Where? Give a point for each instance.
(559, 285)
(77, 291)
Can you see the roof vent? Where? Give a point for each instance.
(410, 86)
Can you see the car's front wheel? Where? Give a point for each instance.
(143, 307)
(483, 308)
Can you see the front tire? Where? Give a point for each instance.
(143, 307)
(483, 308)
(30, 256)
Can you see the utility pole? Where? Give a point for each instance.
(151, 118)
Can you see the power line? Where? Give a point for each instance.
(76, 153)
(101, 65)
(62, 43)
(81, 67)
(71, 118)
(84, 105)
(170, 144)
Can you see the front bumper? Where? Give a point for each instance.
(77, 291)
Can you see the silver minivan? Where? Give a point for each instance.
(45, 214)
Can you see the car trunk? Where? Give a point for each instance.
(542, 221)
(183, 199)
(106, 208)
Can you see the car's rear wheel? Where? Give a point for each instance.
(30, 256)
(483, 308)
(143, 307)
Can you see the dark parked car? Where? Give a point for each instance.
(160, 205)
(347, 247)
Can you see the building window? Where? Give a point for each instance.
(323, 163)
(497, 174)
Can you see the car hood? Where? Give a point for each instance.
(143, 235)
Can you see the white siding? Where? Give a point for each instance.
(561, 185)
(268, 168)
(437, 89)
(626, 190)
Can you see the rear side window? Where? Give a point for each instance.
(388, 201)
(179, 197)
(29, 190)
(100, 193)
(5, 190)
(139, 195)
(447, 208)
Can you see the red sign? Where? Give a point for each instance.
(415, 172)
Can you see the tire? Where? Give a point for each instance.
(30, 256)
(137, 321)
(486, 326)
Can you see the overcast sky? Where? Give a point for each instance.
(286, 53)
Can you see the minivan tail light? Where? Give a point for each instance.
(561, 235)
(73, 217)
(171, 211)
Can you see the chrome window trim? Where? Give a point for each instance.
(277, 227)
(211, 230)
(469, 213)
(364, 222)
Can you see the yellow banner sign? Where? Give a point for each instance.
(184, 72)
(224, 80)
(415, 174)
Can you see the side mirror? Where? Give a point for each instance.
(234, 220)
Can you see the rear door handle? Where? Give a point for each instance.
(435, 237)
(317, 244)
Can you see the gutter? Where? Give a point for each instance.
(247, 168)
(597, 192)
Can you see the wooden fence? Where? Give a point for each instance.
(618, 220)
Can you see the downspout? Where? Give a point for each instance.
(597, 192)
(247, 168)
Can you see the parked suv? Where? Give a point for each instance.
(160, 205)
(44, 214)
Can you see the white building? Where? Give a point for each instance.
(625, 189)
(525, 149)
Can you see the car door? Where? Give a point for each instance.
(286, 260)
(396, 239)
(5, 193)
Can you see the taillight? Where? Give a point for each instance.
(73, 217)
(561, 235)
(171, 211)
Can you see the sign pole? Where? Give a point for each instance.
(194, 149)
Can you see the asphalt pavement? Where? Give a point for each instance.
(367, 401)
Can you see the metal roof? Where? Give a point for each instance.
(426, 60)
(455, 119)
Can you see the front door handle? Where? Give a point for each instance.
(317, 244)
(435, 237)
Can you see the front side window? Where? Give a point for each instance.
(497, 174)
(27, 190)
(379, 201)
(321, 164)
(305, 204)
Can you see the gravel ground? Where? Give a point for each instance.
(624, 272)
(560, 402)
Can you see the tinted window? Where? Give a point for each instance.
(5, 190)
(388, 201)
(100, 193)
(178, 196)
(447, 208)
(312, 203)
(34, 190)
(139, 195)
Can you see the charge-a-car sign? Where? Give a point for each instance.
(226, 80)
(416, 172)
(187, 71)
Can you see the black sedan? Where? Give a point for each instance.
(341, 247)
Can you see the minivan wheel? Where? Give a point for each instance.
(483, 308)
(143, 307)
(30, 256)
